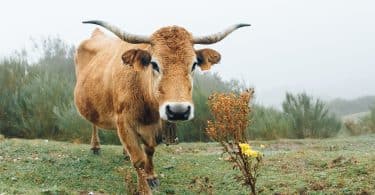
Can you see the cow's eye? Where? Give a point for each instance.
(193, 68)
(155, 66)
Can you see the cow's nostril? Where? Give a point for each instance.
(169, 112)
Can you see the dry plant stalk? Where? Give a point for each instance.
(230, 119)
(201, 185)
(130, 184)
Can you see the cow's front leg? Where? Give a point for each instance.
(149, 136)
(152, 179)
(131, 143)
(126, 156)
(95, 141)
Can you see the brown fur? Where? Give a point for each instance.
(117, 89)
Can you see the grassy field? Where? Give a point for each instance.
(330, 166)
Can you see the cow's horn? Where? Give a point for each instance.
(128, 37)
(210, 39)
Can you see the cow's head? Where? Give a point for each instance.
(169, 63)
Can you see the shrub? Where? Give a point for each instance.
(371, 119)
(310, 118)
(32, 91)
(364, 125)
(269, 123)
(230, 119)
(70, 125)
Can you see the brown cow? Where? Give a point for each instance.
(132, 83)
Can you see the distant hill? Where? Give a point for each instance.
(342, 107)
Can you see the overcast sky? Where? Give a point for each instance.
(326, 48)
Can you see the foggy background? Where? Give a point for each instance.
(325, 48)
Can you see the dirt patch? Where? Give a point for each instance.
(342, 161)
(182, 149)
(317, 185)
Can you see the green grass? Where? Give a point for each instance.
(329, 166)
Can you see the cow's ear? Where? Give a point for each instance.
(137, 58)
(207, 57)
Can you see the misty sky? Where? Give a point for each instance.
(326, 48)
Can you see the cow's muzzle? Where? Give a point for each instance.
(177, 111)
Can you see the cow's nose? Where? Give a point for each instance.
(177, 111)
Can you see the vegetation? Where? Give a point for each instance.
(310, 118)
(37, 98)
(302, 117)
(364, 125)
(230, 120)
(309, 166)
(269, 123)
(371, 119)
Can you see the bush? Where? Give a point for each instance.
(269, 123)
(230, 119)
(70, 126)
(33, 91)
(12, 77)
(364, 125)
(371, 119)
(310, 118)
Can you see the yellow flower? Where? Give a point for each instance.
(262, 146)
(244, 147)
(254, 154)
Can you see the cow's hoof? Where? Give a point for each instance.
(126, 156)
(153, 182)
(95, 151)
